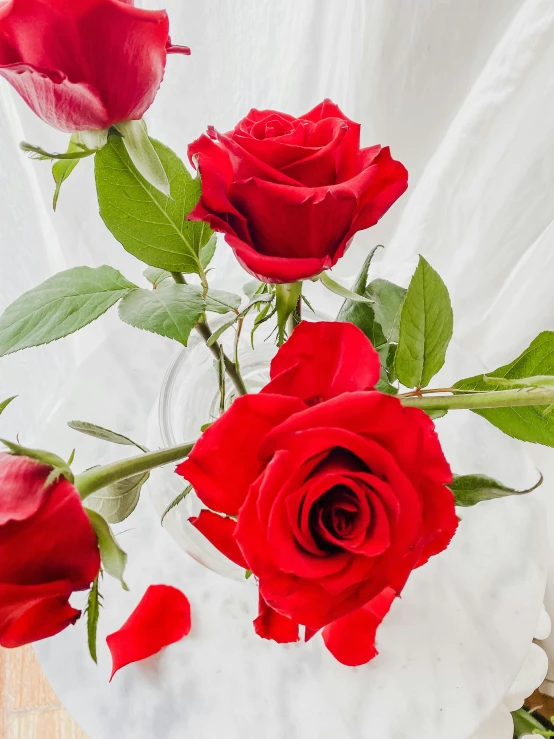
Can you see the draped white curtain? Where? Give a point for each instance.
(461, 90)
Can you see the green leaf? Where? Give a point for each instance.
(526, 723)
(258, 299)
(360, 285)
(174, 503)
(426, 322)
(390, 364)
(208, 250)
(116, 502)
(528, 423)
(113, 557)
(386, 300)
(344, 292)
(99, 432)
(384, 386)
(60, 306)
(387, 304)
(92, 611)
(219, 301)
(471, 489)
(252, 288)
(362, 315)
(385, 383)
(220, 330)
(149, 225)
(62, 169)
(155, 275)
(143, 155)
(5, 403)
(171, 311)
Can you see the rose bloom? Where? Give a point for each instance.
(48, 550)
(84, 64)
(290, 193)
(330, 492)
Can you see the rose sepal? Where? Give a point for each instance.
(287, 296)
(60, 468)
(143, 155)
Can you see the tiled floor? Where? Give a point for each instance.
(29, 708)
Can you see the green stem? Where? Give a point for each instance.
(296, 316)
(230, 367)
(205, 332)
(99, 477)
(179, 277)
(478, 400)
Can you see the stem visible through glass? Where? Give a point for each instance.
(205, 332)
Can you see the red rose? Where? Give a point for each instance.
(48, 550)
(84, 64)
(290, 193)
(340, 491)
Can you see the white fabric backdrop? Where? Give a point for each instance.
(461, 90)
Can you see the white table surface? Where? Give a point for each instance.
(449, 650)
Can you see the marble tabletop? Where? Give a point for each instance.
(449, 650)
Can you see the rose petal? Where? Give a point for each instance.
(351, 639)
(57, 542)
(220, 532)
(348, 164)
(314, 441)
(77, 74)
(270, 268)
(22, 485)
(379, 417)
(319, 166)
(246, 166)
(351, 363)
(29, 613)
(274, 626)
(161, 618)
(439, 521)
(295, 222)
(225, 460)
(390, 182)
(214, 165)
(72, 106)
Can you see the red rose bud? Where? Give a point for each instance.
(48, 550)
(84, 65)
(290, 193)
(339, 491)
